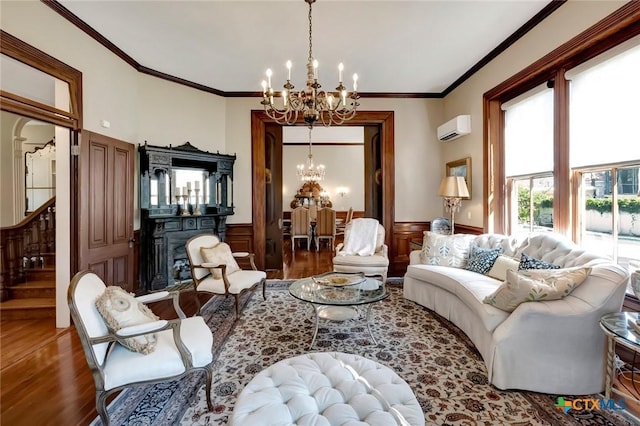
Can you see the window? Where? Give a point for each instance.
(610, 219)
(605, 153)
(528, 146)
(586, 185)
(530, 204)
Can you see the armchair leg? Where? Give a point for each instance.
(101, 400)
(264, 289)
(207, 388)
(197, 303)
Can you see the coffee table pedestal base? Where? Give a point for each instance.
(339, 313)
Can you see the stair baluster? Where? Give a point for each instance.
(26, 245)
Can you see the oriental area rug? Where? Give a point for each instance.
(434, 357)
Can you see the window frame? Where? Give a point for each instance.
(511, 194)
(614, 168)
(616, 28)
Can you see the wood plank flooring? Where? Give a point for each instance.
(44, 376)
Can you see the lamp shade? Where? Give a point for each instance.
(453, 187)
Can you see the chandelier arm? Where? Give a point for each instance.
(282, 118)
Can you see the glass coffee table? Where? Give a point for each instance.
(337, 296)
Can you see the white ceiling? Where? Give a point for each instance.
(395, 46)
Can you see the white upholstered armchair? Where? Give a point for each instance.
(358, 254)
(214, 269)
(180, 346)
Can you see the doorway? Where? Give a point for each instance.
(379, 171)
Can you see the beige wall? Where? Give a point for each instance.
(566, 22)
(344, 166)
(418, 162)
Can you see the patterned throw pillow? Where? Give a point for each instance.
(535, 286)
(528, 262)
(120, 309)
(502, 264)
(220, 254)
(481, 259)
(446, 250)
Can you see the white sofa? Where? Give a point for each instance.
(552, 346)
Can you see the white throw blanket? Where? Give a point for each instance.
(362, 238)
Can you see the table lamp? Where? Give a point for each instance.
(453, 189)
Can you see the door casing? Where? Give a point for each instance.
(259, 119)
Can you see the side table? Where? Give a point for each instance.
(619, 332)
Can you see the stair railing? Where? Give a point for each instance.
(26, 245)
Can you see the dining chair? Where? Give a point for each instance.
(325, 227)
(313, 213)
(300, 226)
(349, 218)
(180, 346)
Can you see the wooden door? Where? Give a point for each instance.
(273, 192)
(106, 171)
(373, 173)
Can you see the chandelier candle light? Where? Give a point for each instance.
(309, 173)
(314, 104)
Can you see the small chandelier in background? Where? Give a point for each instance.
(307, 172)
(314, 104)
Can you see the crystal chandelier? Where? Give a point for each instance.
(314, 104)
(307, 172)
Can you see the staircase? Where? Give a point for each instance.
(27, 267)
(33, 299)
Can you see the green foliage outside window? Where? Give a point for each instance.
(603, 205)
(543, 199)
(540, 200)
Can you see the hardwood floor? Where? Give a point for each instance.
(44, 376)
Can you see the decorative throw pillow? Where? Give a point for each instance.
(220, 254)
(535, 286)
(446, 250)
(120, 309)
(501, 265)
(482, 259)
(528, 262)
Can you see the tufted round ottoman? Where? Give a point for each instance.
(327, 388)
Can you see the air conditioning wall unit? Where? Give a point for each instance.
(453, 129)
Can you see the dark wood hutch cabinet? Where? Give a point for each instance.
(183, 192)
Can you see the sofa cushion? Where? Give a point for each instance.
(446, 250)
(528, 262)
(535, 286)
(482, 259)
(120, 309)
(501, 265)
(470, 287)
